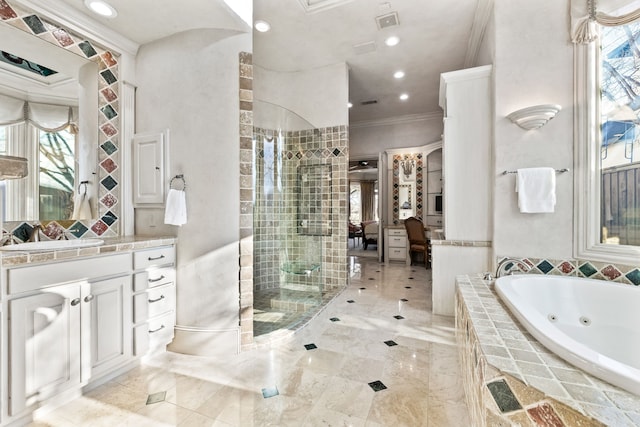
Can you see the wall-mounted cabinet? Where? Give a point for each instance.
(150, 173)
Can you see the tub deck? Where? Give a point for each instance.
(492, 335)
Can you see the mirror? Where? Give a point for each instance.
(406, 201)
(406, 188)
(58, 162)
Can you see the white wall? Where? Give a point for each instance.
(189, 83)
(366, 141)
(318, 95)
(533, 65)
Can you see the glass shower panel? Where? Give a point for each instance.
(291, 217)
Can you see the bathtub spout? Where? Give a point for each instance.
(510, 266)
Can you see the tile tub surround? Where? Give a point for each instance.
(113, 244)
(326, 375)
(511, 379)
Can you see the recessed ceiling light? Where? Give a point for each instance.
(101, 8)
(349, 104)
(392, 41)
(398, 74)
(404, 97)
(262, 26)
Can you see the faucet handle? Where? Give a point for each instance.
(487, 276)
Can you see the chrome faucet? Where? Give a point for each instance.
(7, 238)
(34, 235)
(511, 265)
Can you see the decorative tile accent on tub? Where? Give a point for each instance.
(633, 276)
(503, 396)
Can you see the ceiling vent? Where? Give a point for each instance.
(369, 102)
(362, 48)
(388, 20)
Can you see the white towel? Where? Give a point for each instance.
(536, 189)
(175, 212)
(81, 207)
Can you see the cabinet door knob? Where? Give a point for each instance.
(75, 301)
(155, 280)
(88, 298)
(155, 258)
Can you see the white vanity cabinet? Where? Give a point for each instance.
(44, 346)
(109, 311)
(154, 299)
(69, 324)
(395, 241)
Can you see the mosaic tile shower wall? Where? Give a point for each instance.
(106, 223)
(276, 237)
(397, 160)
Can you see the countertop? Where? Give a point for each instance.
(111, 245)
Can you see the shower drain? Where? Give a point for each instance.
(552, 317)
(585, 321)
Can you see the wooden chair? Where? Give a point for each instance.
(417, 240)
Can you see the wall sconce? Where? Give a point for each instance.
(534, 117)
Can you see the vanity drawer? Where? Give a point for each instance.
(154, 302)
(397, 232)
(152, 257)
(153, 277)
(398, 253)
(34, 277)
(154, 334)
(397, 241)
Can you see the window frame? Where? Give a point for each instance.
(587, 195)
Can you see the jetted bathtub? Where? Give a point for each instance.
(592, 324)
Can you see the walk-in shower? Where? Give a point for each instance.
(295, 166)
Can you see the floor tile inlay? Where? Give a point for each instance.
(334, 319)
(391, 343)
(310, 346)
(377, 385)
(156, 397)
(397, 316)
(270, 392)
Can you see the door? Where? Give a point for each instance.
(108, 307)
(44, 345)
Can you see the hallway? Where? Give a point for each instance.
(379, 334)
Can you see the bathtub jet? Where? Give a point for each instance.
(592, 324)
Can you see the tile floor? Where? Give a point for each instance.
(382, 360)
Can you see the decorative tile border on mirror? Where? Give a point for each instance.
(106, 223)
(397, 159)
(627, 274)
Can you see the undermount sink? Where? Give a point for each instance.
(52, 245)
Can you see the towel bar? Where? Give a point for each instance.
(181, 178)
(557, 170)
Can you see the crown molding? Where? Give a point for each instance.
(410, 118)
(478, 29)
(78, 22)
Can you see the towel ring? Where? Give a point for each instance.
(85, 184)
(181, 178)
